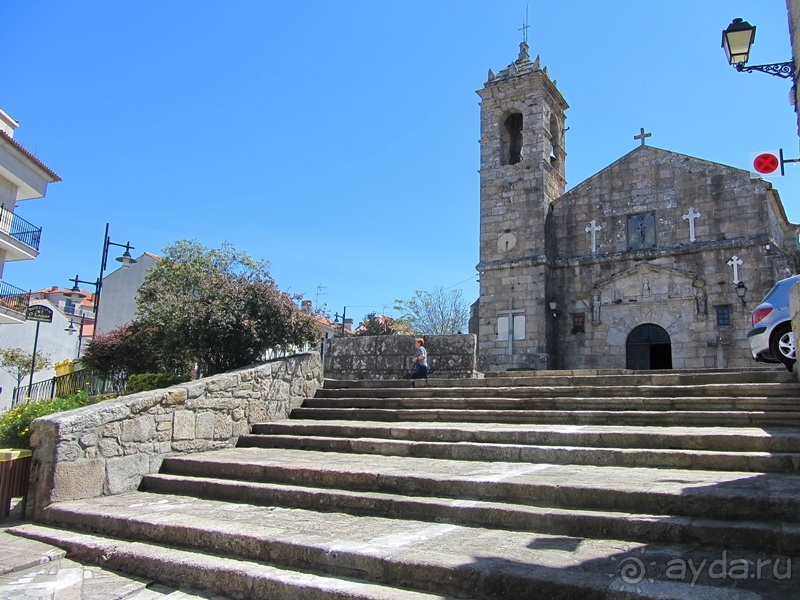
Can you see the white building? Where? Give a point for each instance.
(22, 177)
(53, 341)
(120, 289)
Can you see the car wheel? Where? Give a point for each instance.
(782, 345)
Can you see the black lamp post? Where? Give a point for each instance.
(343, 315)
(76, 295)
(737, 40)
(71, 331)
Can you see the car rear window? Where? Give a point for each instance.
(783, 283)
(771, 292)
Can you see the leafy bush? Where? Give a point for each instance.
(152, 381)
(15, 430)
(113, 356)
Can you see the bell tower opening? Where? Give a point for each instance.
(512, 139)
(555, 141)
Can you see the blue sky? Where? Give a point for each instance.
(339, 140)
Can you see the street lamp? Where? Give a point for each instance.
(343, 315)
(741, 290)
(72, 329)
(737, 40)
(76, 295)
(553, 307)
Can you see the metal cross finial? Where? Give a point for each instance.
(642, 135)
(524, 28)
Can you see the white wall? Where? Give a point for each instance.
(53, 340)
(120, 288)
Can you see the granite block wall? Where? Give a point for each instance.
(389, 357)
(107, 448)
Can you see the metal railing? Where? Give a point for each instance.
(13, 298)
(58, 387)
(18, 228)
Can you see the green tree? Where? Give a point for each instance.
(17, 363)
(218, 308)
(380, 325)
(440, 312)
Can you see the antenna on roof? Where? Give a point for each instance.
(320, 287)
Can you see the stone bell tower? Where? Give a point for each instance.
(522, 173)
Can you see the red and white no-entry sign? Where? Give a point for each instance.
(767, 163)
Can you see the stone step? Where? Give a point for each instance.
(158, 592)
(21, 555)
(563, 403)
(757, 373)
(443, 559)
(68, 579)
(733, 495)
(729, 439)
(694, 418)
(234, 577)
(431, 390)
(619, 377)
(780, 538)
(762, 462)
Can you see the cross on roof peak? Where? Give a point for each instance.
(525, 26)
(642, 136)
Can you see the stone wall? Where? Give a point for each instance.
(107, 447)
(389, 357)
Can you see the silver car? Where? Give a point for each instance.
(771, 338)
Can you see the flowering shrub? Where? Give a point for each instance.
(15, 423)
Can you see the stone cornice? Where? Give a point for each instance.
(638, 255)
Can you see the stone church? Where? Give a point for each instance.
(655, 262)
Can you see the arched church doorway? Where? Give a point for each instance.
(649, 347)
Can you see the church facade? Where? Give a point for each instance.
(655, 262)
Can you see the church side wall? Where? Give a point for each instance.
(679, 284)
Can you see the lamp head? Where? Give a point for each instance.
(741, 290)
(75, 294)
(553, 306)
(126, 259)
(737, 40)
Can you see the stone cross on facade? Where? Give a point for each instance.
(691, 216)
(642, 135)
(735, 262)
(510, 316)
(592, 228)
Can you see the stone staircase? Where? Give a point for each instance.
(521, 485)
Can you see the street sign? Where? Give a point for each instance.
(768, 163)
(40, 313)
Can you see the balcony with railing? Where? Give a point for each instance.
(13, 303)
(19, 238)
